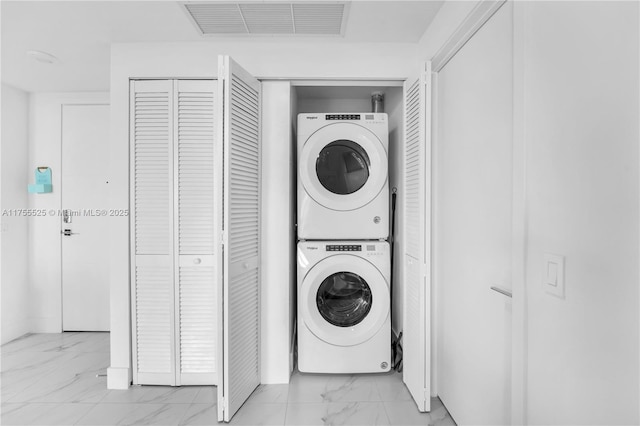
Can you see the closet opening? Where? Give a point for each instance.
(349, 99)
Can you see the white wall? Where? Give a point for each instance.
(269, 59)
(14, 178)
(581, 127)
(45, 149)
(448, 19)
(310, 105)
(577, 63)
(277, 262)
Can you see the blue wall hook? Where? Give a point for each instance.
(43, 181)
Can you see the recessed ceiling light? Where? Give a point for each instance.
(44, 57)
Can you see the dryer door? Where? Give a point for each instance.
(344, 300)
(343, 166)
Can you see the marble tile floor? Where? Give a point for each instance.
(59, 379)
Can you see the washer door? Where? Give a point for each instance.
(344, 300)
(343, 166)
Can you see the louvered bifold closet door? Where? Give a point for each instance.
(152, 262)
(239, 365)
(417, 225)
(194, 130)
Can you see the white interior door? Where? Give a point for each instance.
(416, 339)
(152, 232)
(173, 129)
(85, 225)
(473, 245)
(195, 289)
(239, 308)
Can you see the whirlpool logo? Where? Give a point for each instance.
(312, 118)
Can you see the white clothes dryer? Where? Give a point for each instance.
(343, 186)
(344, 323)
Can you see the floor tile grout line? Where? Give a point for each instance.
(182, 419)
(77, 423)
(286, 410)
(384, 407)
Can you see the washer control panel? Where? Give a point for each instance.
(371, 118)
(366, 249)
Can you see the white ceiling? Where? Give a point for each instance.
(80, 33)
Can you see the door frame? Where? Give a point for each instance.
(46, 148)
(477, 17)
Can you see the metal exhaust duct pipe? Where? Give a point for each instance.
(377, 102)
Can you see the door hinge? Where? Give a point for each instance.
(425, 77)
(223, 405)
(424, 269)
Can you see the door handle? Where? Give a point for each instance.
(502, 291)
(68, 233)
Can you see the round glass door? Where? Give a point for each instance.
(343, 167)
(344, 299)
(335, 300)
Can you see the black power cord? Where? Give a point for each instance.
(396, 350)
(396, 346)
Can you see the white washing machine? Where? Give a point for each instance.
(344, 323)
(343, 186)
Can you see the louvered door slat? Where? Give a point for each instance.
(414, 214)
(174, 291)
(154, 287)
(196, 285)
(152, 168)
(195, 159)
(239, 364)
(152, 232)
(416, 222)
(197, 325)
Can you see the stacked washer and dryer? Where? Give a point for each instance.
(344, 270)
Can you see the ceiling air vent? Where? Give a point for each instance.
(267, 18)
(318, 18)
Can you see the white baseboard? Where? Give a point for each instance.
(118, 378)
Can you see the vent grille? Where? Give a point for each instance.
(317, 18)
(323, 19)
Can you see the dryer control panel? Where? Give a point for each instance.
(342, 117)
(365, 249)
(343, 247)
